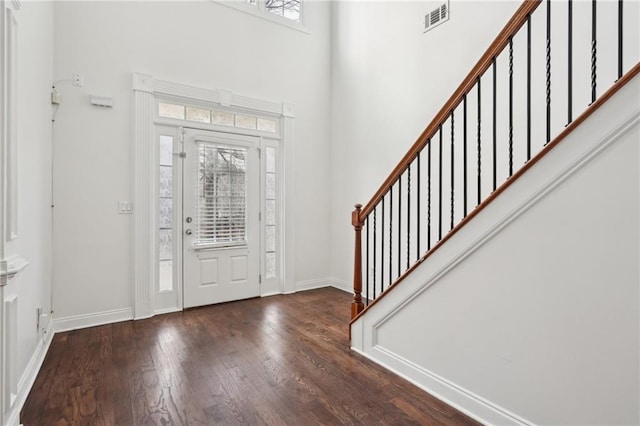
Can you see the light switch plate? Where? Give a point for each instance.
(125, 207)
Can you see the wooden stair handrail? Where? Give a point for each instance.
(501, 41)
(619, 84)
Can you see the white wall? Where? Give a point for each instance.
(388, 81)
(203, 44)
(531, 313)
(32, 286)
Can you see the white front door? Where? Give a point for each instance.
(221, 238)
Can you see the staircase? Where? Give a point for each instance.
(497, 265)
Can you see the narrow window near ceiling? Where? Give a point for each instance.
(288, 9)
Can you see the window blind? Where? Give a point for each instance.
(222, 197)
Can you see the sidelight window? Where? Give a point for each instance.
(165, 214)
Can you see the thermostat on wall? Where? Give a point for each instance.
(101, 101)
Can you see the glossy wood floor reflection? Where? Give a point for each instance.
(280, 360)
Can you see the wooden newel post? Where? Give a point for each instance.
(357, 306)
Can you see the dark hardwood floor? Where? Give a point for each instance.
(280, 360)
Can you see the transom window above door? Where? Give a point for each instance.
(217, 117)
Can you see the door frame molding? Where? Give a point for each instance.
(9, 265)
(146, 89)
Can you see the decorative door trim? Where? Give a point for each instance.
(147, 90)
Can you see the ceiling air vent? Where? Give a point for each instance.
(436, 17)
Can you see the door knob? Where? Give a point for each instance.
(188, 232)
(188, 219)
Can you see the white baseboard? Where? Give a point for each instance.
(324, 282)
(272, 293)
(29, 376)
(167, 311)
(313, 284)
(342, 285)
(456, 396)
(92, 320)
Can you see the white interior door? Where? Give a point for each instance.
(221, 250)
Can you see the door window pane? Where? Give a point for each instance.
(222, 186)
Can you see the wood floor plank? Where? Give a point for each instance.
(280, 360)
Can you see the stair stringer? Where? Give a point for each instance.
(424, 331)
